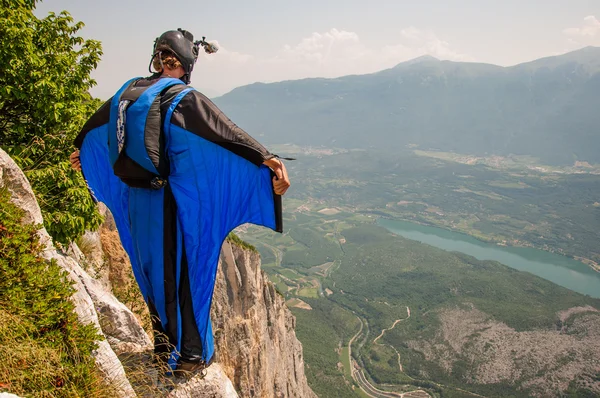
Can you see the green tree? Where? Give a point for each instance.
(44, 101)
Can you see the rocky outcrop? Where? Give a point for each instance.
(258, 354)
(13, 178)
(215, 384)
(254, 330)
(542, 362)
(117, 322)
(88, 252)
(255, 341)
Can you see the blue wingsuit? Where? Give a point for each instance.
(178, 176)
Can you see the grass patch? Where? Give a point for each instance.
(310, 292)
(44, 350)
(233, 238)
(289, 274)
(345, 360)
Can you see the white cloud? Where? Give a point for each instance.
(228, 55)
(325, 48)
(411, 33)
(340, 52)
(322, 54)
(421, 42)
(586, 34)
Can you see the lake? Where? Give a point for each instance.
(559, 269)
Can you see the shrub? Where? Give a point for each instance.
(44, 101)
(44, 350)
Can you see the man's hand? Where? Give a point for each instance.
(75, 161)
(281, 182)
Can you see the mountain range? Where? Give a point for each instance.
(548, 108)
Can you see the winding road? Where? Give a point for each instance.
(350, 344)
(393, 326)
(359, 377)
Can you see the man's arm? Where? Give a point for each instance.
(99, 118)
(199, 115)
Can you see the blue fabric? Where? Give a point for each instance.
(167, 123)
(135, 136)
(146, 228)
(215, 191)
(108, 189)
(138, 216)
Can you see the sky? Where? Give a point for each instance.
(275, 40)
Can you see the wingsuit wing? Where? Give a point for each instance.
(216, 181)
(219, 183)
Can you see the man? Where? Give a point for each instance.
(178, 176)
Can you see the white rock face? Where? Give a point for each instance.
(215, 384)
(13, 178)
(254, 330)
(118, 323)
(93, 261)
(255, 341)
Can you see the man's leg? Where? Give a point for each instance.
(191, 344)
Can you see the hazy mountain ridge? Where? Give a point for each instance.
(546, 108)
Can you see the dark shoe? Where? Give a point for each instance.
(190, 369)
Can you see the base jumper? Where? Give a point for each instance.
(177, 176)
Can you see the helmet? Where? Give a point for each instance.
(181, 43)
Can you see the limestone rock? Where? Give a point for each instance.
(215, 384)
(13, 178)
(88, 252)
(118, 323)
(254, 330)
(255, 340)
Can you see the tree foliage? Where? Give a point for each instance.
(44, 101)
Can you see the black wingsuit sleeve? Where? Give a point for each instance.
(199, 115)
(99, 118)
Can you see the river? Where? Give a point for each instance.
(559, 269)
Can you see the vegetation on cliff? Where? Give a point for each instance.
(44, 350)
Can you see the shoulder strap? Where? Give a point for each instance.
(174, 103)
(131, 137)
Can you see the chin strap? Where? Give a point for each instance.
(152, 60)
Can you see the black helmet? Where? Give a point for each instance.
(181, 43)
